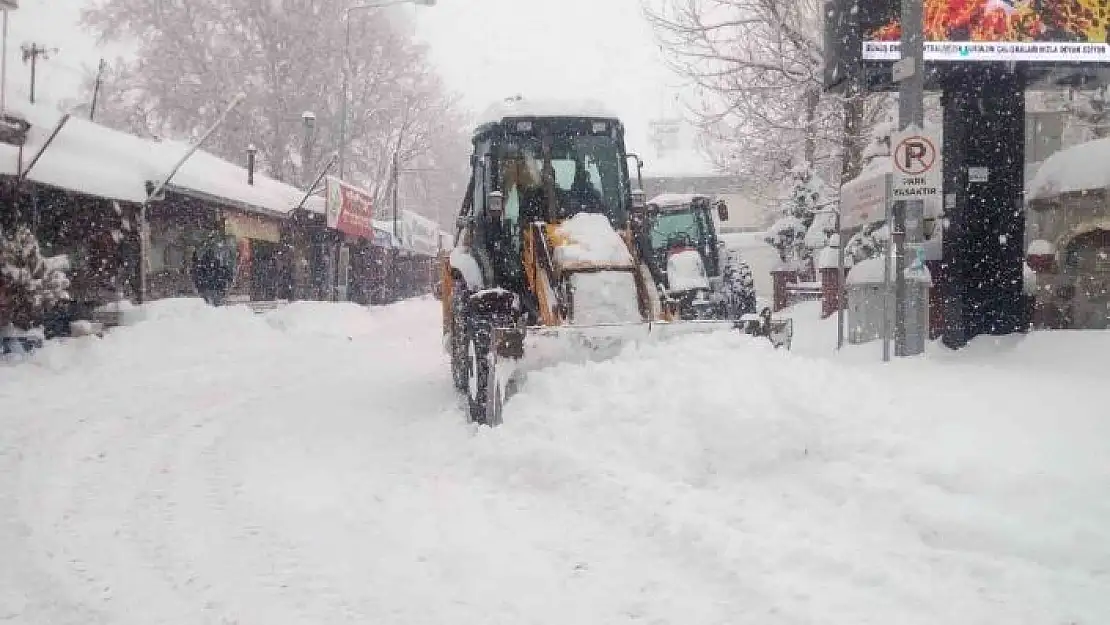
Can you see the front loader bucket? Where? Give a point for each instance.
(518, 351)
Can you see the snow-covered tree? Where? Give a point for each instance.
(30, 283)
(877, 151)
(738, 284)
(287, 57)
(806, 194)
(869, 242)
(757, 68)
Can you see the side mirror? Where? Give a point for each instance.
(722, 210)
(462, 221)
(495, 204)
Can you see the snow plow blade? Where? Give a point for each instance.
(517, 351)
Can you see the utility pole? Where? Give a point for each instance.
(394, 182)
(31, 53)
(907, 234)
(96, 88)
(308, 119)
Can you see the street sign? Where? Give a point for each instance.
(9, 5)
(903, 68)
(918, 168)
(863, 201)
(978, 174)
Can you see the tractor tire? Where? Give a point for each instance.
(484, 396)
(458, 336)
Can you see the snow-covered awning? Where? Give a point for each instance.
(1083, 167)
(95, 160)
(84, 157)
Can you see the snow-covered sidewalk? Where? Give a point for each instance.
(311, 465)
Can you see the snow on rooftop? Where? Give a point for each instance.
(211, 175)
(1040, 247)
(526, 107)
(673, 200)
(84, 157)
(95, 160)
(1078, 168)
(870, 271)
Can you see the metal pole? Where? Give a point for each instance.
(22, 175)
(4, 69)
(196, 146)
(316, 183)
(96, 88)
(396, 178)
(841, 288)
(886, 278)
(908, 235)
(34, 59)
(346, 88)
(306, 150)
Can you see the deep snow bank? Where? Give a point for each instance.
(837, 492)
(312, 466)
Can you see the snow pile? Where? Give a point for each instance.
(339, 320)
(743, 240)
(1078, 168)
(829, 258)
(685, 271)
(205, 463)
(605, 297)
(1040, 247)
(810, 499)
(590, 239)
(870, 271)
(463, 261)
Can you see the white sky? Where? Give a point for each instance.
(485, 50)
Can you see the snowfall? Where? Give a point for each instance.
(312, 465)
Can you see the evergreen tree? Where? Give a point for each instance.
(808, 194)
(30, 283)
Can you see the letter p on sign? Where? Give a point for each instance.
(918, 168)
(915, 155)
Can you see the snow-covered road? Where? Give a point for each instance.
(312, 466)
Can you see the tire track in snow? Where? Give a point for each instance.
(147, 528)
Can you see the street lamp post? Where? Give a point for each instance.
(308, 119)
(347, 68)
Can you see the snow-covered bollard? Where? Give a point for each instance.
(782, 277)
(1041, 256)
(1040, 266)
(832, 278)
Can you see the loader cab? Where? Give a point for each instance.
(540, 168)
(675, 223)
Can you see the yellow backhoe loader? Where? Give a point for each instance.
(546, 266)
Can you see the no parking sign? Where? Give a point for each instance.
(918, 167)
